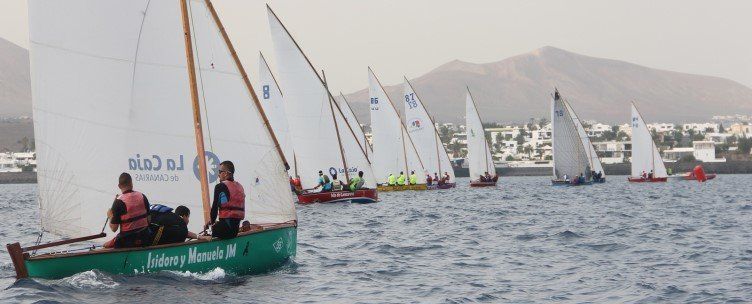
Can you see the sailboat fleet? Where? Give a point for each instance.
(158, 91)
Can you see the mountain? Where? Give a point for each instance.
(15, 83)
(519, 88)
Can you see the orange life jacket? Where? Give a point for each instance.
(135, 212)
(235, 207)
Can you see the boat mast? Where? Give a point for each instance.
(336, 127)
(198, 128)
(246, 81)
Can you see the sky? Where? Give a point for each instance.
(412, 37)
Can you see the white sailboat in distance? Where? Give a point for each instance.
(647, 164)
(482, 168)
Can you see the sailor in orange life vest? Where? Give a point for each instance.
(128, 213)
(229, 204)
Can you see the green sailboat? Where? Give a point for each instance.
(155, 89)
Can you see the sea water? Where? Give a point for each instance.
(522, 242)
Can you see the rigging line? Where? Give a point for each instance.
(200, 74)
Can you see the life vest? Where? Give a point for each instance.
(135, 212)
(235, 207)
(401, 180)
(336, 185)
(392, 180)
(413, 179)
(354, 183)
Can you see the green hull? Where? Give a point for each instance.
(386, 188)
(253, 253)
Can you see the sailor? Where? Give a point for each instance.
(324, 183)
(392, 180)
(169, 227)
(488, 177)
(229, 204)
(650, 175)
(566, 177)
(446, 177)
(337, 185)
(436, 178)
(295, 184)
(413, 178)
(483, 178)
(128, 213)
(357, 182)
(429, 179)
(644, 175)
(401, 179)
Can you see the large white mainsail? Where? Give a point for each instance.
(393, 148)
(595, 161)
(569, 155)
(322, 138)
(478, 152)
(272, 100)
(423, 131)
(355, 124)
(111, 95)
(645, 155)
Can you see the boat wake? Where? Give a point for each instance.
(89, 280)
(214, 275)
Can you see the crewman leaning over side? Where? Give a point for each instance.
(392, 180)
(401, 179)
(357, 182)
(413, 178)
(168, 227)
(129, 214)
(229, 204)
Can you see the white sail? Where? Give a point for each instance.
(423, 131)
(272, 100)
(569, 154)
(344, 105)
(645, 155)
(478, 152)
(595, 161)
(111, 95)
(312, 115)
(393, 148)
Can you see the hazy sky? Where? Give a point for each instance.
(404, 37)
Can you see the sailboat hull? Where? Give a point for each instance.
(363, 196)
(441, 186)
(249, 253)
(417, 187)
(568, 183)
(482, 184)
(647, 180)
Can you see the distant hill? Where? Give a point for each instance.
(519, 88)
(15, 83)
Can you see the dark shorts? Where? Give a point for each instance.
(226, 228)
(138, 238)
(168, 234)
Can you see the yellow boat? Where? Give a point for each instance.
(402, 187)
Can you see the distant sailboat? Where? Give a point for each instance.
(422, 130)
(594, 160)
(571, 154)
(393, 148)
(323, 140)
(153, 89)
(478, 152)
(647, 164)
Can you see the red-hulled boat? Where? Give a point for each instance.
(441, 186)
(475, 184)
(362, 196)
(647, 179)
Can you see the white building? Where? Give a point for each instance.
(662, 127)
(597, 129)
(700, 128)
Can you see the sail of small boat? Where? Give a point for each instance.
(478, 152)
(323, 140)
(353, 121)
(645, 155)
(569, 155)
(594, 160)
(393, 148)
(424, 133)
(272, 100)
(152, 88)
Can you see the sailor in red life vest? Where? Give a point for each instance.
(229, 204)
(129, 214)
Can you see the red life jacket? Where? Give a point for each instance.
(235, 207)
(135, 212)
